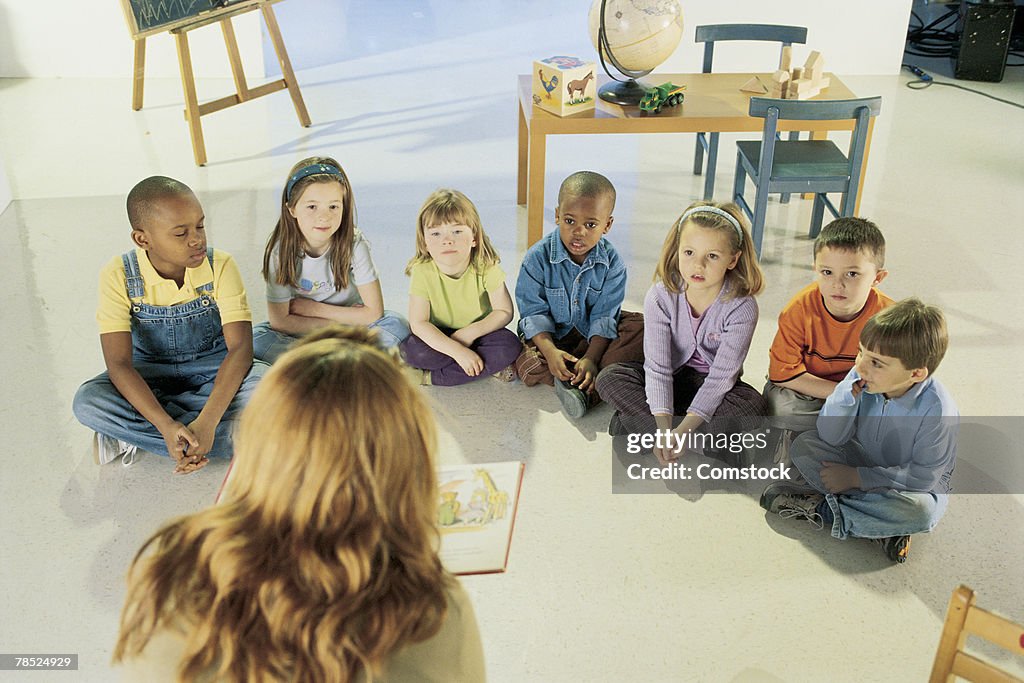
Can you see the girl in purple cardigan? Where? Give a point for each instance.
(699, 317)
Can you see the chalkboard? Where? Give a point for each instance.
(146, 17)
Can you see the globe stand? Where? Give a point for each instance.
(624, 93)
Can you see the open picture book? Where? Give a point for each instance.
(476, 513)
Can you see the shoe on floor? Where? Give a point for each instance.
(573, 400)
(108, 449)
(896, 548)
(507, 374)
(796, 502)
(417, 376)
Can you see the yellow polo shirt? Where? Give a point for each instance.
(114, 310)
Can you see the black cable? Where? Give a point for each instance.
(925, 80)
(934, 39)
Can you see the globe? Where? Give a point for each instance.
(636, 37)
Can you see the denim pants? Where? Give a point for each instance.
(497, 349)
(268, 344)
(178, 350)
(878, 513)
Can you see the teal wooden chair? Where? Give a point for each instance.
(817, 166)
(709, 34)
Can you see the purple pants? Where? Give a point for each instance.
(497, 349)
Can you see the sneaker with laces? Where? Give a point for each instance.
(573, 400)
(507, 374)
(107, 449)
(793, 502)
(896, 548)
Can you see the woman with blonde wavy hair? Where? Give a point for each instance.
(320, 563)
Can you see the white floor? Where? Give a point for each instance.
(600, 587)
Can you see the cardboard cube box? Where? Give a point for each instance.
(564, 85)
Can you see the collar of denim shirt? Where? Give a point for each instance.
(597, 255)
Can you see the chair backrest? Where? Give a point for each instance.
(711, 33)
(964, 618)
(861, 109)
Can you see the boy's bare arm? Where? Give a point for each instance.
(232, 370)
(117, 354)
(810, 385)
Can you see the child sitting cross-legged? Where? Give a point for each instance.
(878, 465)
(176, 334)
(570, 292)
(458, 302)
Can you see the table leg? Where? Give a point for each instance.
(535, 193)
(521, 177)
(864, 167)
(139, 73)
(188, 84)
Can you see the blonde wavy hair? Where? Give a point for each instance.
(746, 279)
(445, 207)
(322, 560)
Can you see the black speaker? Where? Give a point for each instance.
(984, 39)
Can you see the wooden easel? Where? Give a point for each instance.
(194, 110)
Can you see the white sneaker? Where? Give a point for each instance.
(108, 449)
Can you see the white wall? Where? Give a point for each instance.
(90, 38)
(76, 38)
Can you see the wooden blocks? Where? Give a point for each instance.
(797, 83)
(564, 85)
(754, 85)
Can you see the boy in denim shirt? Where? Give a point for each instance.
(878, 465)
(569, 293)
(176, 333)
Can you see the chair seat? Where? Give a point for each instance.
(798, 159)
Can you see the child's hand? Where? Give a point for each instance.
(179, 440)
(557, 364)
(463, 337)
(469, 361)
(586, 373)
(838, 477)
(204, 434)
(302, 306)
(857, 388)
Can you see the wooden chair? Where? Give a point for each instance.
(964, 618)
(817, 166)
(709, 34)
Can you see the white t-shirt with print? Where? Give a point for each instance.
(316, 281)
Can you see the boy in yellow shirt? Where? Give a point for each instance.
(176, 333)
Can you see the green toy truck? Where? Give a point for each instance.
(664, 95)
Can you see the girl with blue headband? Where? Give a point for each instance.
(317, 264)
(699, 318)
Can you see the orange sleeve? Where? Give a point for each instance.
(786, 357)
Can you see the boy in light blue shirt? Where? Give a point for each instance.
(879, 464)
(569, 293)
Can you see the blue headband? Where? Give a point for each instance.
(718, 212)
(306, 171)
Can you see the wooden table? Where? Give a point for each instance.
(714, 103)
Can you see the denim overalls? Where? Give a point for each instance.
(178, 350)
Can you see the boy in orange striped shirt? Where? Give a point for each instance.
(819, 329)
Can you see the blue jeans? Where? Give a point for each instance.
(100, 406)
(879, 513)
(268, 343)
